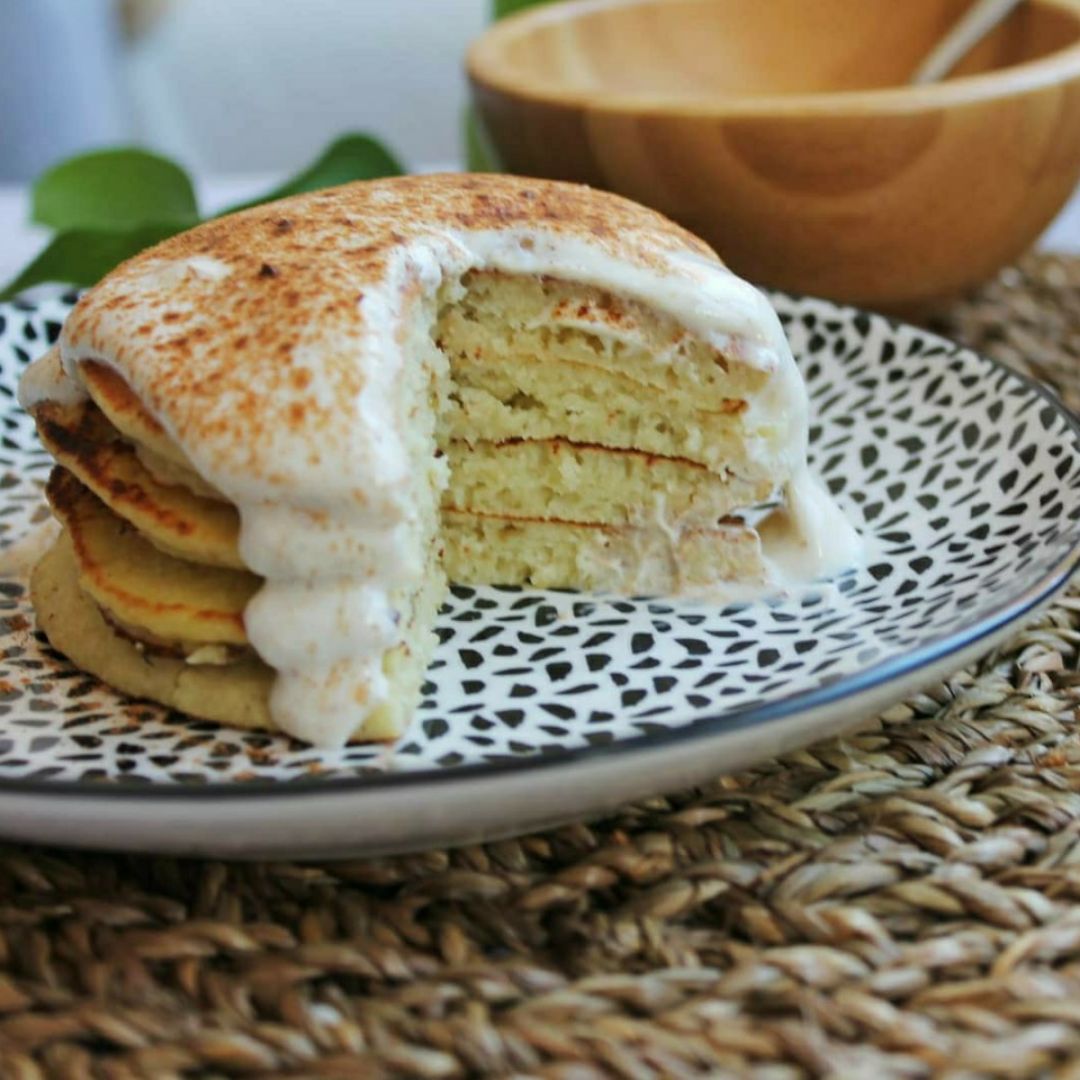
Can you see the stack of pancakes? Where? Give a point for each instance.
(555, 433)
(593, 443)
(145, 587)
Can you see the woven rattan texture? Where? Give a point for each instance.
(902, 902)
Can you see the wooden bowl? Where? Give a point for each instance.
(781, 131)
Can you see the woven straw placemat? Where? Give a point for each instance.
(899, 903)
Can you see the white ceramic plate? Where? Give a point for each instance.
(542, 707)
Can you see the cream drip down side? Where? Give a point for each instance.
(327, 504)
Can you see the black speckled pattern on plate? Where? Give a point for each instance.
(963, 478)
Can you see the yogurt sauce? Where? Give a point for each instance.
(325, 616)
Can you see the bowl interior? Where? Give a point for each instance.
(695, 48)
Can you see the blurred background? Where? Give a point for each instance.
(241, 92)
(231, 86)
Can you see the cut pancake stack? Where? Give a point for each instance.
(145, 587)
(592, 443)
(551, 432)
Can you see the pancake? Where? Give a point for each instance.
(123, 409)
(171, 599)
(131, 419)
(562, 480)
(237, 695)
(479, 549)
(170, 516)
(280, 431)
(610, 372)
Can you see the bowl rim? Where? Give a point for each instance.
(487, 71)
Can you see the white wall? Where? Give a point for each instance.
(60, 85)
(230, 86)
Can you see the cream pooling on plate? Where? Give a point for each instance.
(270, 347)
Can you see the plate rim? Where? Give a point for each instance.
(704, 728)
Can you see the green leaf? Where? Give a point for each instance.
(502, 8)
(113, 189)
(480, 152)
(111, 204)
(82, 256)
(352, 157)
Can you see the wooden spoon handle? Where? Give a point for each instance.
(975, 24)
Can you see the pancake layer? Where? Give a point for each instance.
(171, 599)
(169, 515)
(561, 480)
(482, 549)
(237, 695)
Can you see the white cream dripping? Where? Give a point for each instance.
(338, 537)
